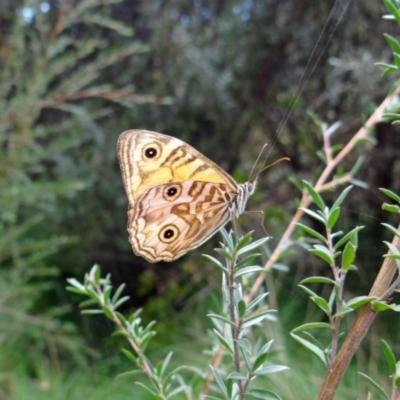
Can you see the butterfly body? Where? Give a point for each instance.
(178, 198)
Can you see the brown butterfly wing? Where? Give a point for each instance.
(165, 225)
(169, 220)
(149, 158)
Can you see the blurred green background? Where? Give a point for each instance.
(225, 76)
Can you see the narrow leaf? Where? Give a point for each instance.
(253, 246)
(375, 385)
(390, 194)
(333, 217)
(220, 382)
(263, 394)
(390, 358)
(257, 300)
(308, 345)
(318, 279)
(323, 253)
(312, 232)
(270, 370)
(215, 262)
(392, 229)
(340, 199)
(249, 270)
(314, 215)
(315, 196)
(312, 325)
(348, 256)
(359, 301)
(347, 237)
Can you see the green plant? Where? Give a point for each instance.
(53, 96)
(238, 363)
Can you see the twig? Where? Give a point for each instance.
(321, 183)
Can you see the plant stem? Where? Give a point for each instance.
(234, 320)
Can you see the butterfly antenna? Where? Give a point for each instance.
(270, 165)
(255, 163)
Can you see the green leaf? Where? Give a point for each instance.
(220, 382)
(247, 260)
(246, 351)
(76, 291)
(222, 318)
(392, 248)
(391, 208)
(322, 304)
(107, 295)
(375, 385)
(347, 237)
(224, 253)
(224, 342)
(118, 292)
(260, 360)
(257, 318)
(340, 199)
(107, 312)
(348, 256)
(343, 311)
(311, 347)
(266, 347)
(121, 301)
(238, 376)
(314, 215)
(272, 369)
(241, 308)
(245, 345)
(393, 43)
(397, 380)
(390, 194)
(318, 279)
(244, 241)
(93, 294)
(175, 392)
(312, 325)
(148, 390)
(392, 9)
(391, 116)
(390, 358)
(263, 394)
(380, 306)
(253, 246)
(249, 270)
(359, 301)
(392, 229)
(396, 58)
(215, 262)
(95, 273)
(77, 285)
(323, 253)
(228, 238)
(165, 364)
(129, 355)
(257, 300)
(308, 291)
(333, 217)
(312, 232)
(389, 68)
(315, 196)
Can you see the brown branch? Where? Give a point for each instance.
(59, 26)
(359, 329)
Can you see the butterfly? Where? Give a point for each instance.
(178, 198)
